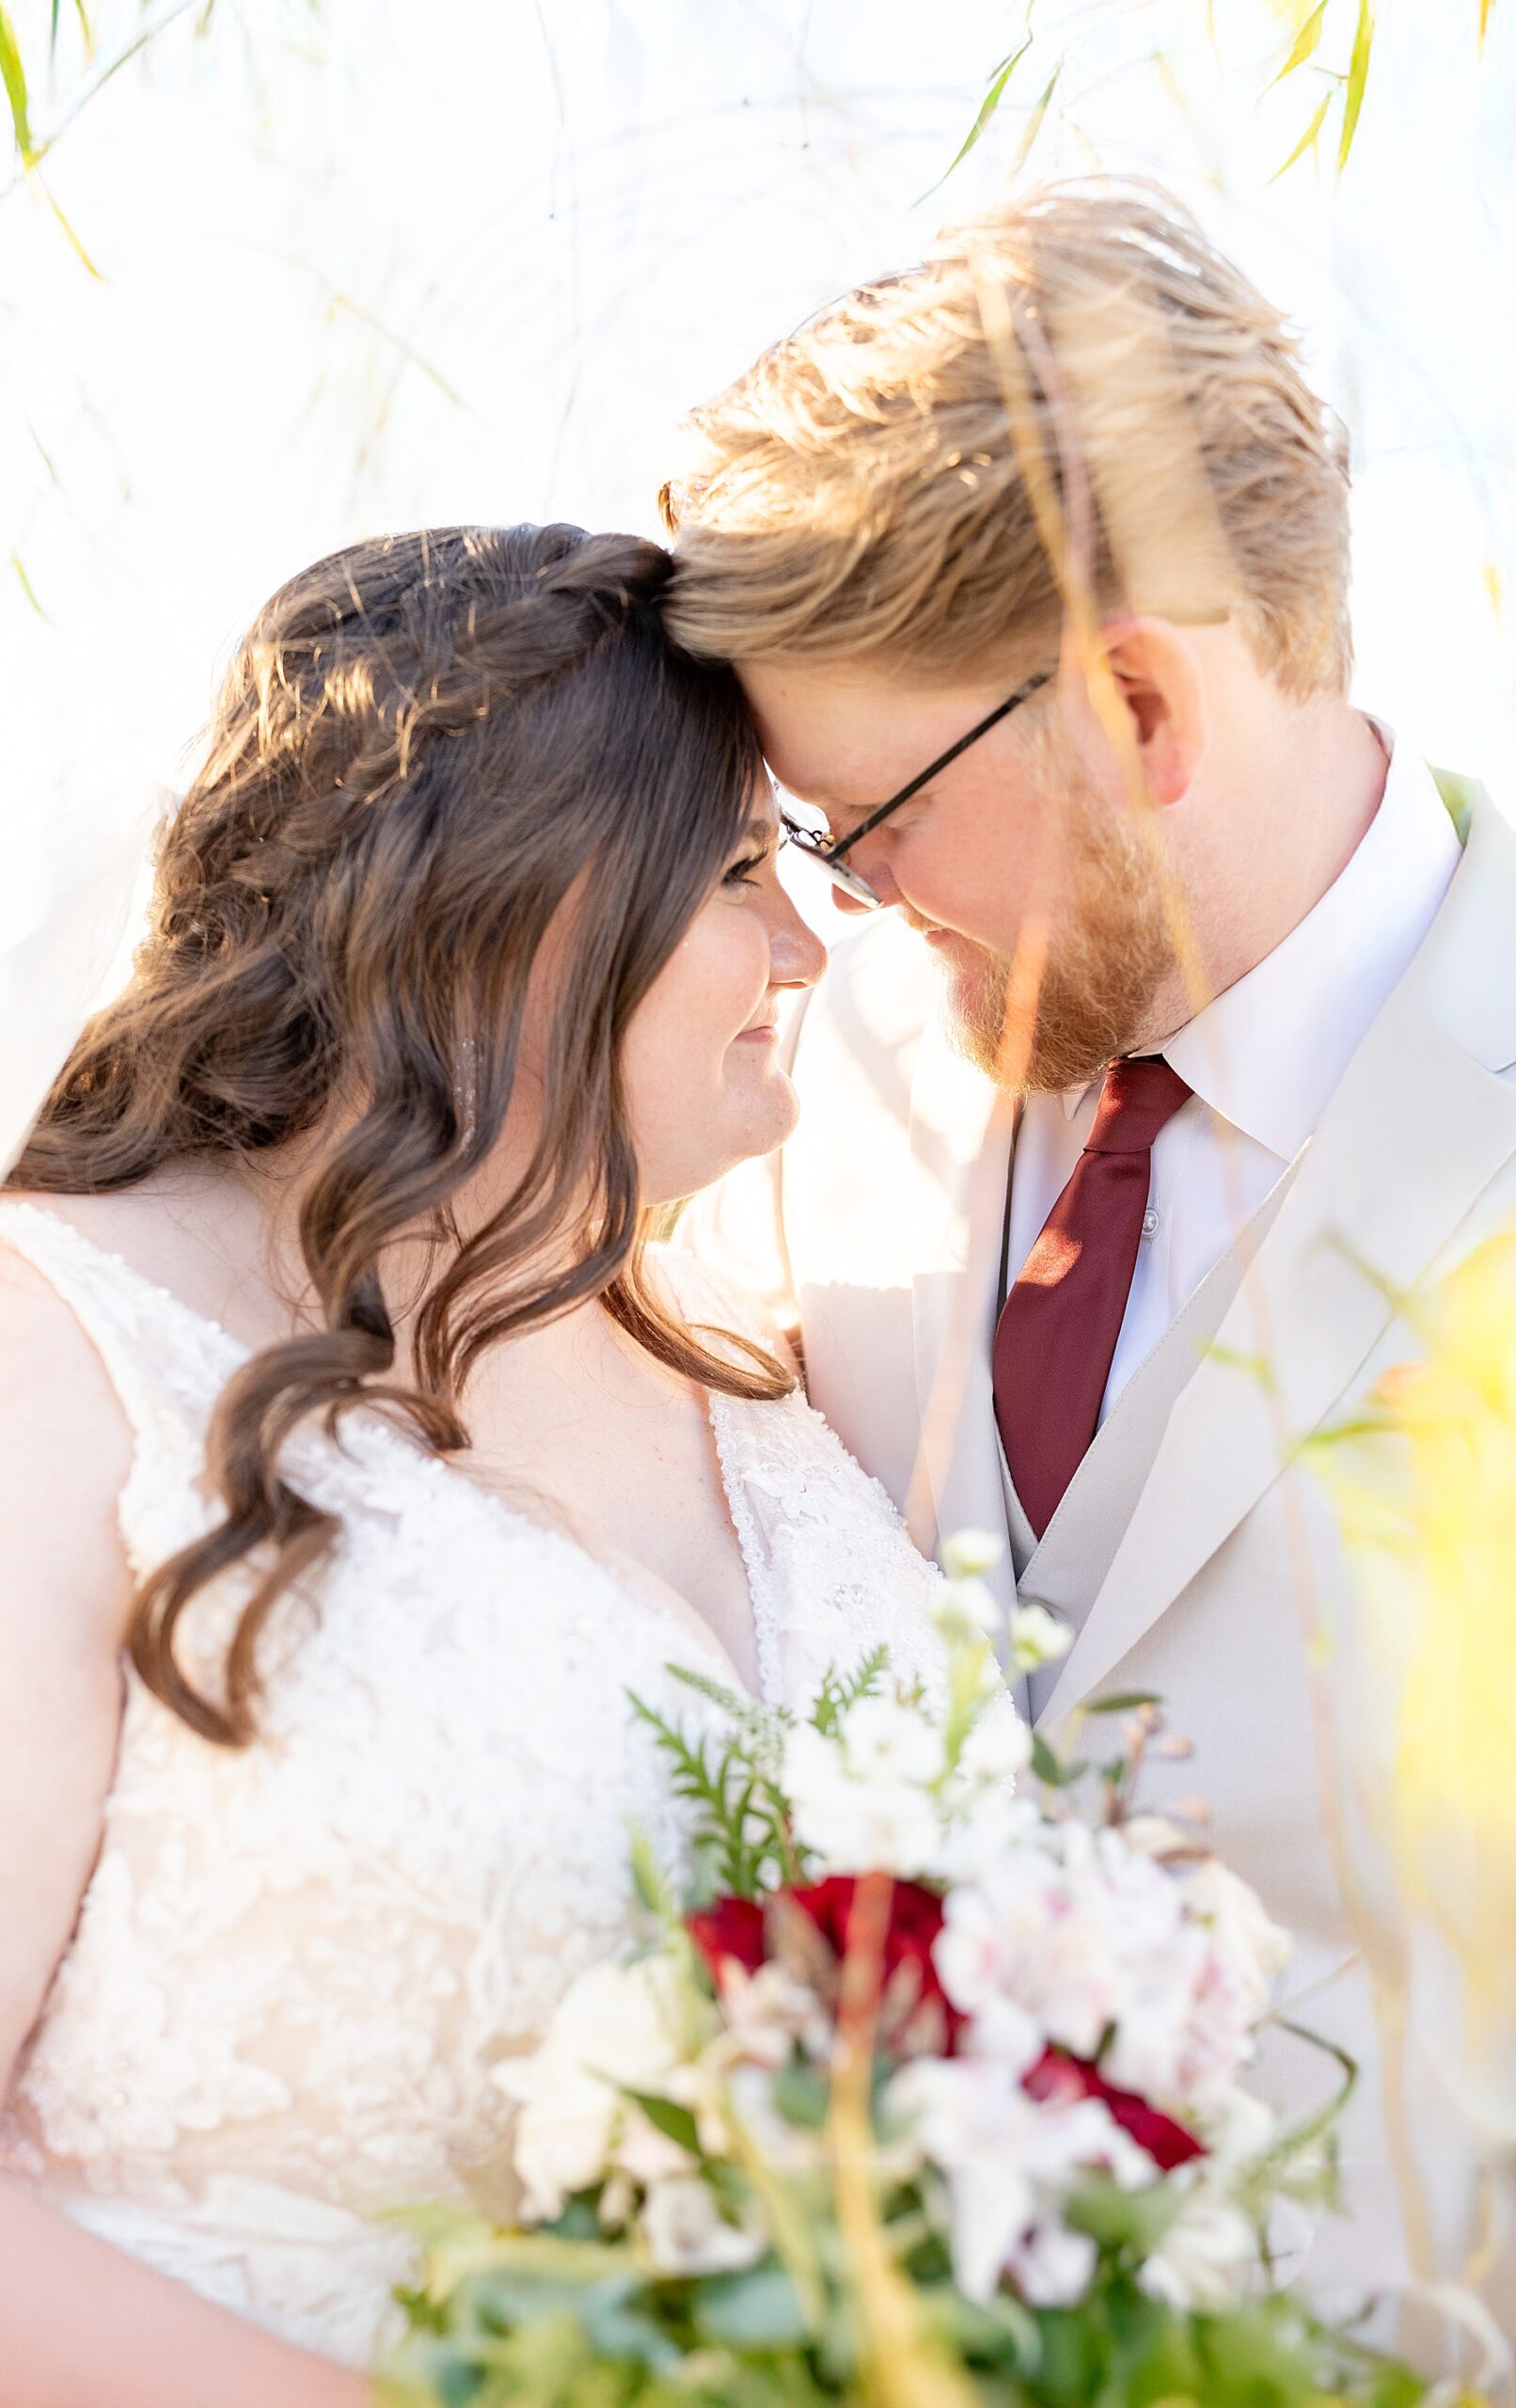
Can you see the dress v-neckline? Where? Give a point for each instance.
(654, 1598)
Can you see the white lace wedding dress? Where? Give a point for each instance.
(295, 1964)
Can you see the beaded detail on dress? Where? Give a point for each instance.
(295, 1964)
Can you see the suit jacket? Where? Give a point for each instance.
(1194, 1553)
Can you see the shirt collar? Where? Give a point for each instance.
(1266, 1053)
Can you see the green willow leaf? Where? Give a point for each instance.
(14, 75)
(1307, 140)
(1363, 45)
(999, 76)
(1305, 42)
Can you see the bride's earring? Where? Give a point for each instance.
(466, 1091)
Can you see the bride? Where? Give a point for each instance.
(358, 1453)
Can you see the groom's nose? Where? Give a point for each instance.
(872, 864)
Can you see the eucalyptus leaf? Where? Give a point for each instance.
(1119, 2219)
(1051, 1769)
(759, 2310)
(619, 2331)
(803, 2096)
(666, 2116)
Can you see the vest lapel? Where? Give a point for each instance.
(1359, 1228)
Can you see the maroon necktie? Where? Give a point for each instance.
(1058, 1329)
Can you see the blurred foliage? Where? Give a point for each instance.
(1314, 32)
(1426, 1491)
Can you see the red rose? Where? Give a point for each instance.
(735, 1929)
(732, 1928)
(915, 1920)
(1055, 2076)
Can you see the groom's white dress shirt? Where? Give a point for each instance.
(1262, 1060)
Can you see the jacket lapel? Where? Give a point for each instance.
(1419, 1126)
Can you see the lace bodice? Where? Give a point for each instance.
(294, 1965)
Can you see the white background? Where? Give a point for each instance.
(386, 261)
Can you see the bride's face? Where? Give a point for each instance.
(701, 1060)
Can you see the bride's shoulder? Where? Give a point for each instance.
(714, 1303)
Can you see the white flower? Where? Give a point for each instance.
(1090, 1938)
(969, 1553)
(617, 2028)
(1051, 2266)
(884, 1740)
(1009, 2161)
(1254, 1948)
(886, 1823)
(1240, 2128)
(979, 1827)
(1037, 1638)
(812, 1762)
(998, 1746)
(1204, 2258)
(870, 1827)
(687, 2233)
(765, 2013)
(966, 1609)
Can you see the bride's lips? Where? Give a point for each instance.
(764, 1034)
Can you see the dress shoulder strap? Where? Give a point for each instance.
(165, 1362)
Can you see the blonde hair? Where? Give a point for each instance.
(871, 484)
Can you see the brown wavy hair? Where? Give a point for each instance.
(426, 744)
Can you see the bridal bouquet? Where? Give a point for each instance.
(931, 2093)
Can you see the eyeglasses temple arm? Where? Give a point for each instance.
(865, 827)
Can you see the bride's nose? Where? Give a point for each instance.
(796, 955)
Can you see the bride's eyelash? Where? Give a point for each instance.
(740, 873)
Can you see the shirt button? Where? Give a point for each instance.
(1149, 1222)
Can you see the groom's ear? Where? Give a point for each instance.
(1162, 684)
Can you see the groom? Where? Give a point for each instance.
(1183, 1044)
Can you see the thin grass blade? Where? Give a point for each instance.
(75, 245)
(28, 589)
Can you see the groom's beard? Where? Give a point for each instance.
(1109, 954)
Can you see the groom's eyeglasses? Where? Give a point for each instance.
(828, 852)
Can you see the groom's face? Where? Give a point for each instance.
(1020, 870)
